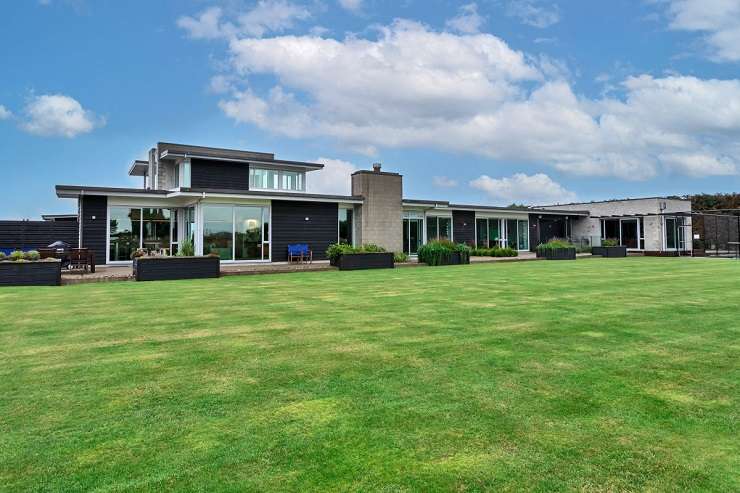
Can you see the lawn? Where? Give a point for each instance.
(593, 375)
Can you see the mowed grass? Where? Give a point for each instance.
(594, 375)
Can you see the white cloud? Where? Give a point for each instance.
(58, 115)
(700, 164)
(415, 87)
(206, 26)
(351, 5)
(532, 13)
(266, 16)
(444, 182)
(719, 20)
(467, 21)
(333, 179)
(4, 113)
(522, 188)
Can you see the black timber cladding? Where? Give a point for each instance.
(219, 175)
(289, 226)
(95, 225)
(32, 235)
(463, 227)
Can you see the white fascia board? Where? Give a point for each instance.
(247, 196)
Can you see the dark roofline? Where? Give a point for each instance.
(372, 172)
(221, 151)
(72, 190)
(669, 197)
(266, 193)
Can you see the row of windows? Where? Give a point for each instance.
(489, 232)
(270, 179)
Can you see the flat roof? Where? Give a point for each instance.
(73, 191)
(168, 150)
(671, 197)
(139, 168)
(472, 207)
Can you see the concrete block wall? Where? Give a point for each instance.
(380, 219)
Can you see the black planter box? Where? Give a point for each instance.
(46, 273)
(172, 268)
(557, 253)
(358, 261)
(610, 251)
(453, 258)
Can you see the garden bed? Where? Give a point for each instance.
(359, 261)
(172, 268)
(40, 273)
(610, 251)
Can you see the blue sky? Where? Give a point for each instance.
(495, 101)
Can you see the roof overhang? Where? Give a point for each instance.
(72, 192)
(276, 163)
(139, 168)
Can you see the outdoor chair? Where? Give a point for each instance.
(300, 253)
(79, 259)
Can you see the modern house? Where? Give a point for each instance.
(248, 206)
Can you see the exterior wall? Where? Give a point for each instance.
(463, 227)
(289, 225)
(381, 218)
(166, 175)
(94, 225)
(219, 175)
(31, 235)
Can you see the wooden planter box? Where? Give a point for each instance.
(359, 261)
(455, 258)
(610, 251)
(46, 273)
(557, 253)
(172, 268)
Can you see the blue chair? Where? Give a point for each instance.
(299, 252)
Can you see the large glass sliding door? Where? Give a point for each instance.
(439, 228)
(413, 235)
(249, 223)
(630, 234)
(517, 234)
(153, 229)
(157, 224)
(236, 232)
(674, 234)
(218, 231)
(125, 233)
(488, 232)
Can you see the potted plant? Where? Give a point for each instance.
(182, 266)
(556, 249)
(610, 248)
(444, 253)
(347, 257)
(28, 269)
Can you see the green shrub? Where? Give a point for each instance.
(400, 257)
(583, 249)
(439, 252)
(32, 255)
(337, 249)
(494, 252)
(186, 249)
(610, 242)
(554, 244)
(371, 248)
(16, 256)
(2, 256)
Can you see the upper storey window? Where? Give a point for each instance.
(270, 179)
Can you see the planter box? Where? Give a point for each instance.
(172, 268)
(557, 253)
(359, 261)
(46, 273)
(454, 258)
(610, 251)
(699, 252)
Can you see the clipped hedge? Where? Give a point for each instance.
(494, 252)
